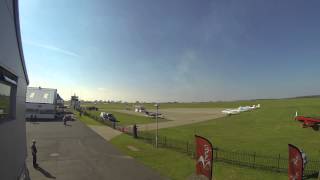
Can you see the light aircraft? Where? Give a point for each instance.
(231, 111)
(313, 122)
(153, 114)
(240, 109)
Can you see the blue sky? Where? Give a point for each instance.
(173, 50)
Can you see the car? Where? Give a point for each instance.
(107, 116)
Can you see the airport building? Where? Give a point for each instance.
(43, 103)
(75, 103)
(13, 87)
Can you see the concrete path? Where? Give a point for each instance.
(174, 123)
(75, 152)
(105, 132)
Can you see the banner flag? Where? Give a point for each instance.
(204, 157)
(295, 167)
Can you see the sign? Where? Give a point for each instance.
(295, 167)
(204, 157)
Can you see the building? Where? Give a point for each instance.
(13, 87)
(75, 103)
(43, 103)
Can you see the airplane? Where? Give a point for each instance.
(313, 122)
(230, 111)
(240, 109)
(152, 114)
(244, 108)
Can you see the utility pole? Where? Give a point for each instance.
(157, 106)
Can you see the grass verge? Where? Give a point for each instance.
(87, 120)
(127, 119)
(180, 166)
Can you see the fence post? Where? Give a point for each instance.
(216, 154)
(187, 147)
(254, 159)
(165, 141)
(279, 163)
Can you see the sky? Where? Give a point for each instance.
(172, 50)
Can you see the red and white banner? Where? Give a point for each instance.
(204, 157)
(295, 168)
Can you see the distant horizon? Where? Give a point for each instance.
(120, 101)
(177, 50)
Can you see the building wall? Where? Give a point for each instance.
(13, 132)
(40, 108)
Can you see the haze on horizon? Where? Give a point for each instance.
(173, 50)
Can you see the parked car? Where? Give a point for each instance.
(107, 116)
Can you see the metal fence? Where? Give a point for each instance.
(277, 163)
(124, 129)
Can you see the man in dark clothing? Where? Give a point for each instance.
(65, 120)
(34, 154)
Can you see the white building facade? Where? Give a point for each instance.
(43, 103)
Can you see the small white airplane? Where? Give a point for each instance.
(230, 111)
(244, 108)
(240, 109)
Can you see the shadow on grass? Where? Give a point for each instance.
(45, 173)
(311, 176)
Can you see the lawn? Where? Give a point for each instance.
(127, 119)
(265, 131)
(180, 166)
(88, 120)
(149, 106)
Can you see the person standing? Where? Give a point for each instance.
(65, 120)
(34, 154)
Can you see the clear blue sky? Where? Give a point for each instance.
(173, 50)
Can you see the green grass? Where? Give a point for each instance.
(127, 119)
(228, 104)
(180, 166)
(266, 131)
(88, 120)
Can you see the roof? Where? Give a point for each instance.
(41, 95)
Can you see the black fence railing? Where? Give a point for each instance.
(277, 163)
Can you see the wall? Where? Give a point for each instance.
(12, 133)
(40, 107)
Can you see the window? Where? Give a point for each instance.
(7, 95)
(5, 92)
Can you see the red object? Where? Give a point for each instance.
(295, 168)
(308, 121)
(204, 157)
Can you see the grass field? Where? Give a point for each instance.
(126, 119)
(88, 120)
(123, 106)
(266, 131)
(180, 166)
